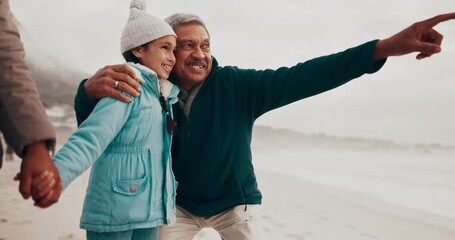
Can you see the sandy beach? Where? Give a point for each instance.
(292, 209)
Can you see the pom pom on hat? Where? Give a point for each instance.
(139, 4)
(142, 27)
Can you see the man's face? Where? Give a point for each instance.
(193, 57)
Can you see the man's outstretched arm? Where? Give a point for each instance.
(419, 37)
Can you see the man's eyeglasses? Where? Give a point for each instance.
(170, 123)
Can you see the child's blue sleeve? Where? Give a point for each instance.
(87, 144)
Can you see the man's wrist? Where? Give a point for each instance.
(380, 52)
(36, 146)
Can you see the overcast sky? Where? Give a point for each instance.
(407, 101)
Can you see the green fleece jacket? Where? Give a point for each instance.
(211, 149)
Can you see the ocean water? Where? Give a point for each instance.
(423, 181)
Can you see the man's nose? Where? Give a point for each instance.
(198, 53)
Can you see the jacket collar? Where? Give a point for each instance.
(149, 80)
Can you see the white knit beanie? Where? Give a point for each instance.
(142, 27)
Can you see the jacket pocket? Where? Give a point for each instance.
(131, 200)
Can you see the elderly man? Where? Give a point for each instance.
(217, 109)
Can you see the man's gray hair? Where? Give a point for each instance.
(179, 19)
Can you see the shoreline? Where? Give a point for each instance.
(327, 212)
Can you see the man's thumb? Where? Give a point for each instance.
(428, 48)
(17, 177)
(25, 185)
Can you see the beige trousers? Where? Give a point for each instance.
(242, 222)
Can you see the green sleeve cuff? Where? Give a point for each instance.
(83, 105)
(374, 65)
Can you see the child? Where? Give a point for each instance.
(132, 188)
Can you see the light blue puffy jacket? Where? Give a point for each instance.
(131, 182)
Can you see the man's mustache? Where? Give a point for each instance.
(197, 62)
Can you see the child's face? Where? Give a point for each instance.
(158, 55)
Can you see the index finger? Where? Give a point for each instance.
(25, 185)
(45, 201)
(431, 22)
(42, 177)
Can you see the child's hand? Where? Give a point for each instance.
(42, 185)
(45, 188)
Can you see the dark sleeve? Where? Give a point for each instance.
(266, 90)
(83, 105)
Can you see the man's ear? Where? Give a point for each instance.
(138, 51)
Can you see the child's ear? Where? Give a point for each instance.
(138, 51)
